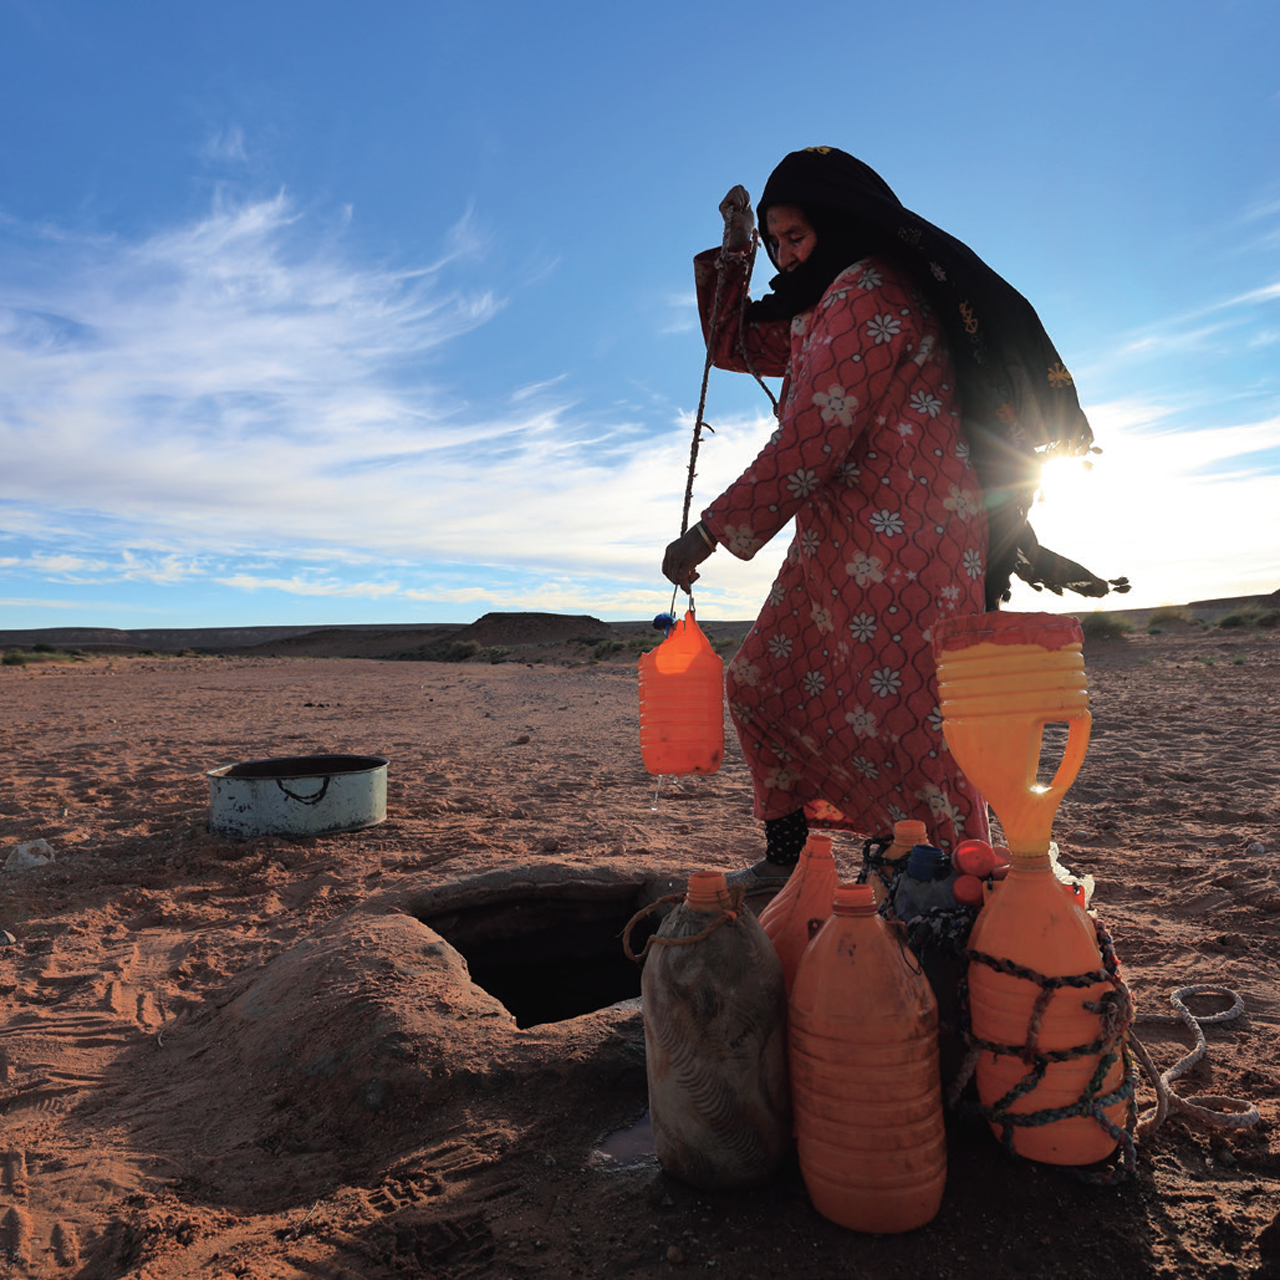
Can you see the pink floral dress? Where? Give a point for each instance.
(833, 692)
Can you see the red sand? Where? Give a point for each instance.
(252, 1059)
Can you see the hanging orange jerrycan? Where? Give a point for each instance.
(808, 895)
(1002, 677)
(865, 1086)
(682, 703)
(715, 1030)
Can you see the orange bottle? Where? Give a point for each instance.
(682, 703)
(807, 896)
(1034, 923)
(906, 835)
(715, 1024)
(865, 1086)
(1002, 677)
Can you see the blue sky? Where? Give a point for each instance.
(324, 313)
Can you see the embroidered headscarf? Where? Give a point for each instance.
(1017, 398)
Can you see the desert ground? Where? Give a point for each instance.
(268, 1058)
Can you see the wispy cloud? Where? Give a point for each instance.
(225, 146)
(235, 388)
(218, 369)
(235, 403)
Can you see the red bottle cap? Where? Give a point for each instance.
(967, 891)
(974, 858)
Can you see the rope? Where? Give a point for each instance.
(728, 916)
(699, 421)
(1214, 1110)
(1115, 1013)
(1116, 1041)
(874, 861)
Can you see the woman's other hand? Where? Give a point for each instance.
(679, 564)
(739, 218)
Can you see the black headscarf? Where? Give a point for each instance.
(1017, 399)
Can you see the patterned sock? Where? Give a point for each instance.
(785, 837)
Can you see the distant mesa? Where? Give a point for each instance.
(508, 630)
(493, 630)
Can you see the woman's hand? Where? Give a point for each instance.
(739, 218)
(679, 564)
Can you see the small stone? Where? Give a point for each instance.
(521, 740)
(1256, 848)
(675, 1253)
(34, 853)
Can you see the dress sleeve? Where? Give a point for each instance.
(768, 345)
(861, 331)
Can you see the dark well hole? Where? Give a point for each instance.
(302, 766)
(549, 959)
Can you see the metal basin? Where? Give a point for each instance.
(297, 796)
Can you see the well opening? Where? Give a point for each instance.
(551, 957)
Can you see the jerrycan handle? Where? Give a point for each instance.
(678, 651)
(1078, 729)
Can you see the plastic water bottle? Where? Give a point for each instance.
(807, 896)
(925, 884)
(907, 833)
(715, 1019)
(682, 703)
(864, 1074)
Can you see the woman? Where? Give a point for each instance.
(918, 386)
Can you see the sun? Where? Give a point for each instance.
(1068, 481)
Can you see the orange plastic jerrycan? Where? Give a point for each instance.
(1032, 922)
(1002, 677)
(682, 703)
(865, 1086)
(715, 1026)
(807, 896)
(907, 833)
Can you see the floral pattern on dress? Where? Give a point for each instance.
(834, 694)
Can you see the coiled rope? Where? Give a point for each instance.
(1213, 1110)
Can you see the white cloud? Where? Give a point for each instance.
(222, 390)
(225, 146)
(682, 313)
(234, 402)
(300, 586)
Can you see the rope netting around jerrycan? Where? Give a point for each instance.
(1046, 1010)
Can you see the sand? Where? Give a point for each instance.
(253, 1058)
